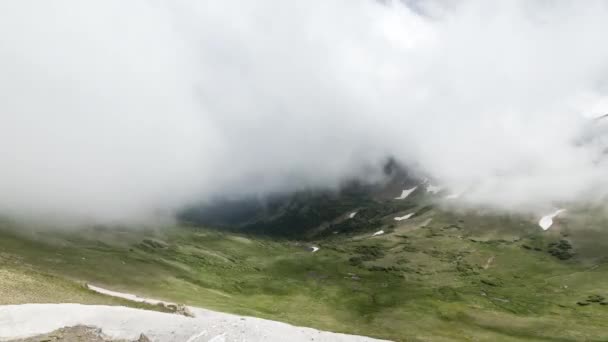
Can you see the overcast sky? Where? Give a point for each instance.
(118, 110)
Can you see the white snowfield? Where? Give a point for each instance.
(406, 193)
(118, 322)
(351, 215)
(380, 232)
(404, 217)
(547, 221)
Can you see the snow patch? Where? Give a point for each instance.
(406, 193)
(433, 189)
(127, 296)
(547, 221)
(314, 248)
(351, 215)
(404, 217)
(380, 232)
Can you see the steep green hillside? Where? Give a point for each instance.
(438, 276)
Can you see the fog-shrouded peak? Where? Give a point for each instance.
(121, 111)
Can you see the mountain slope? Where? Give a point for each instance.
(437, 275)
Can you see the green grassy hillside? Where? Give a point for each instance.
(436, 277)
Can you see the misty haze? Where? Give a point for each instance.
(339, 170)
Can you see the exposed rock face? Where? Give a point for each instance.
(79, 333)
(143, 338)
(179, 309)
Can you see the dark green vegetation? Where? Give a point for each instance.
(300, 212)
(439, 276)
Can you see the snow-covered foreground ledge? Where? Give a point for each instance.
(118, 322)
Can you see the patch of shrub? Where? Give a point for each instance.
(465, 269)
(489, 282)
(447, 293)
(355, 261)
(595, 299)
(369, 252)
(154, 244)
(561, 250)
(408, 248)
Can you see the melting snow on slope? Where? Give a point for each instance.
(380, 232)
(126, 296)
(547, 221)
(404, 217)
(406, 193)
(433, 188)
(351, 215)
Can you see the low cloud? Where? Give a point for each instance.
(120, 111)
